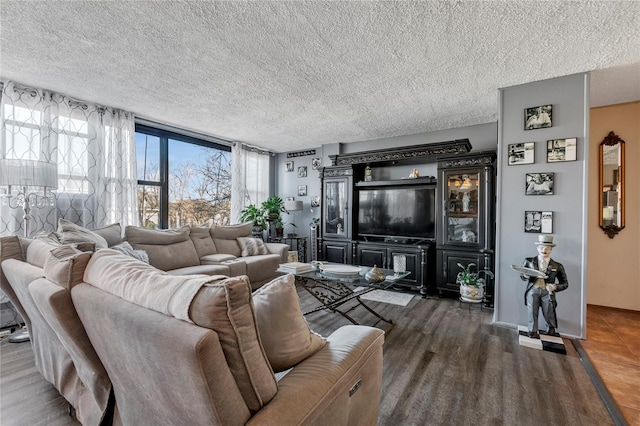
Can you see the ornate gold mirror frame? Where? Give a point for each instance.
(611, 184)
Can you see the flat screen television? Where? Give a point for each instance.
(407, 212)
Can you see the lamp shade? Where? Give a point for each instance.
(28, 173)
(292, 205)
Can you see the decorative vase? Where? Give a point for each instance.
(471, 293)
(375, 275)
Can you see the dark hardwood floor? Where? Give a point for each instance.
(443, 364)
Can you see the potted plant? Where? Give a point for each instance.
(471, 283)
(273, 207)
(254, 214)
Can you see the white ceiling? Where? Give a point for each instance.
(294, 75)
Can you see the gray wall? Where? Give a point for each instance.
(482, 137)
(569, 97)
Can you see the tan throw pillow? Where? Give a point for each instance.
(285, 333)
(252, 246)
(65, 266)
(69, 232)
(225, 307)
(111, 233)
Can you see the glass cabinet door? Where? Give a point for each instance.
(335, 207)
(462, 207)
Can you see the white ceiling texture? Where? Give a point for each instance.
(299, 74)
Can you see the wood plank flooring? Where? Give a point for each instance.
(443, 364)
(613, 346)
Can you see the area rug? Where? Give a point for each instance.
(386, 296)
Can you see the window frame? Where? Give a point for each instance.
(164, 137)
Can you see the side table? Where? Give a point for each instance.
(298, 244)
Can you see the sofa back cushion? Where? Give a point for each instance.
(111, 233)
(225, 237)
(65, 266)
(39, 250)
(226, 308)
(167, 249)
(69, 232)
(202, 240)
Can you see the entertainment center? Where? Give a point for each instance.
(366, 222)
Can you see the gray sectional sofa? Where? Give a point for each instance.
(202, 355)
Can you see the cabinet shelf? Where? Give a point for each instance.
(398, 182)
(459, 214)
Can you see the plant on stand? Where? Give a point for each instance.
(471, 283)
(254, 214)
(273, 208)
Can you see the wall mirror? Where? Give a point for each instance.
(611, 184)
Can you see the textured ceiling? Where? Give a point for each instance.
(292, 75)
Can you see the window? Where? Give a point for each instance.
(182, 180)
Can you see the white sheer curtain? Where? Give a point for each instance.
(249, 178)
(93, 146)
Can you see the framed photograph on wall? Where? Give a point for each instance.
(315, 201)
(288, 166)
(561, 150)
(538, 222)
(521, 153)
(302, 190)
(537, 117)
(539, 184)
(302, 171)
(316, 163)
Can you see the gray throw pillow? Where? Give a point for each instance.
(252, 246)
(69, 232)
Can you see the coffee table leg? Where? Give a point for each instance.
(368, 308)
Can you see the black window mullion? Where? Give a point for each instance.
(164, 182)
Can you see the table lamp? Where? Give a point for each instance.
(293, 206)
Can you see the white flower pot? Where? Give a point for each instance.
(471, 293)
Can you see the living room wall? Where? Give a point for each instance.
(614, 264)
(569, 97)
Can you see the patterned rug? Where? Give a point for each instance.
(386, 296)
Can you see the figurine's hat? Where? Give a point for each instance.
(545, 240)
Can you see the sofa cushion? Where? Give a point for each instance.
(202, 240)
(252, 246)
(167, 249)
(10, 248)
(213, 259)
(69, 232)
(284, 331)
(125, 248)
(224, 237)
(65, 266)
(39, 250)
(262, 267)
(111, 233)
(226, 308)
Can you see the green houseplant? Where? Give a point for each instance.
(471, 283)
(273, 207)
(252, 213)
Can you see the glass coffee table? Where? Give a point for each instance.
(333, 290)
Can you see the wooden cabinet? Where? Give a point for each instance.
(466, 227)
(337, 203)
(419, 259)
(336, 251)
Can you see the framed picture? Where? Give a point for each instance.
(537, 117)
(289, 198)
(288, 166)
(538, 222)
(302, 190)
(316, 163)
(539, 184)
(302, 171)
(521, 153)
(315, 201)
(561, 150)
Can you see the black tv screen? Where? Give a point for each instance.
(407, 212)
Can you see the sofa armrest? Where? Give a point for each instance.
(340, 384)
(279, 248)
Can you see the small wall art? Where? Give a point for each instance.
(538, 222)
(521, 153)
(539, 184)
(561, 150)
(316, 163)
(537, 117)
(302, 190)
(315, 201)
(288, 166)
(302, 171)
